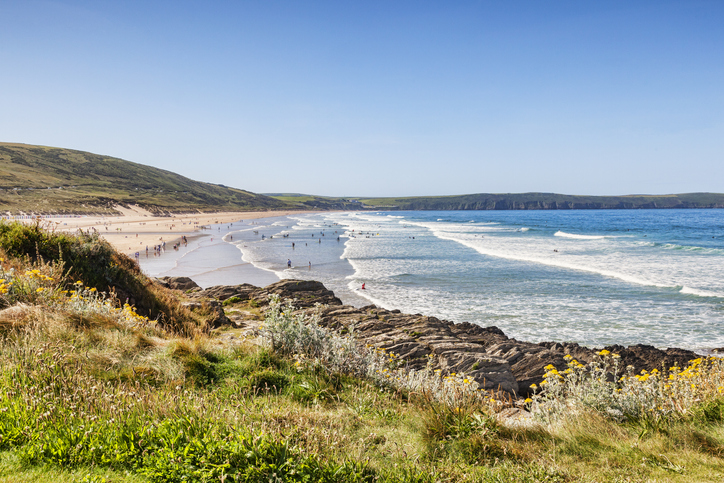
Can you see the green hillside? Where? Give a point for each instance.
(545, 201)
(45, 180)
(314, 202)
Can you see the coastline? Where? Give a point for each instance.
(212, 257)
(137, 228)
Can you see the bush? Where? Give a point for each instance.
(87, 258)
(651, 399)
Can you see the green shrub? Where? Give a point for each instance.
(709, 411)
(313, 390)
(268, 380)
(232, 300)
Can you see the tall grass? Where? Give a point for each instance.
(651, 399)
(87, 258)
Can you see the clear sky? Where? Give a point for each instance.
(378, 98)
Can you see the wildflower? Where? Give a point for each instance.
(528, 400)
(39, 289)
(603, 353)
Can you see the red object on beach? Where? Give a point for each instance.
(363, 286)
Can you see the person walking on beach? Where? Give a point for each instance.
(289, 263)
(310, 265)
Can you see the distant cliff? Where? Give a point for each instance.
(547, 201)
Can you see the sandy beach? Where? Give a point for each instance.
(137, 228)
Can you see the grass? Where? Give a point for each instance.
(41, 179)
(91, 392)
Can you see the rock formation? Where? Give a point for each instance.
(494, 360)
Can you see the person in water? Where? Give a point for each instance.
(289, 263)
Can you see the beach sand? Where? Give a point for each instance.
(137, 228)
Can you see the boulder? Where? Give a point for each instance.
(224, 292)
(178, 283)
(304, 293)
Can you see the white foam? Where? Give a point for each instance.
(700, 293)
(579, 237)
(552, 261)
(456, 227)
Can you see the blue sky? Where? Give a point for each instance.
(378, 98)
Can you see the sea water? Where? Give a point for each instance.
(593, 277)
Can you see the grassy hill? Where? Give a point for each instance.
(545, 201)
(315, 202)
(40, 179)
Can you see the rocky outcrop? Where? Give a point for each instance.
(494, 360)
(224, 292)
(304, 293)
(177, 283)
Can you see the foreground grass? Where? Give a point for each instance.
(93, 392)
(179, 411)
(12, 470)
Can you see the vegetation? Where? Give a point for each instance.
(93, 390)
(315, 202)
(45, 180)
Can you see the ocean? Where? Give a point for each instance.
(595, 277)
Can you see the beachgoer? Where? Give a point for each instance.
(310, 265)
(363, 286)
(289, 263)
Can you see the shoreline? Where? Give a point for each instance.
(136, 228)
